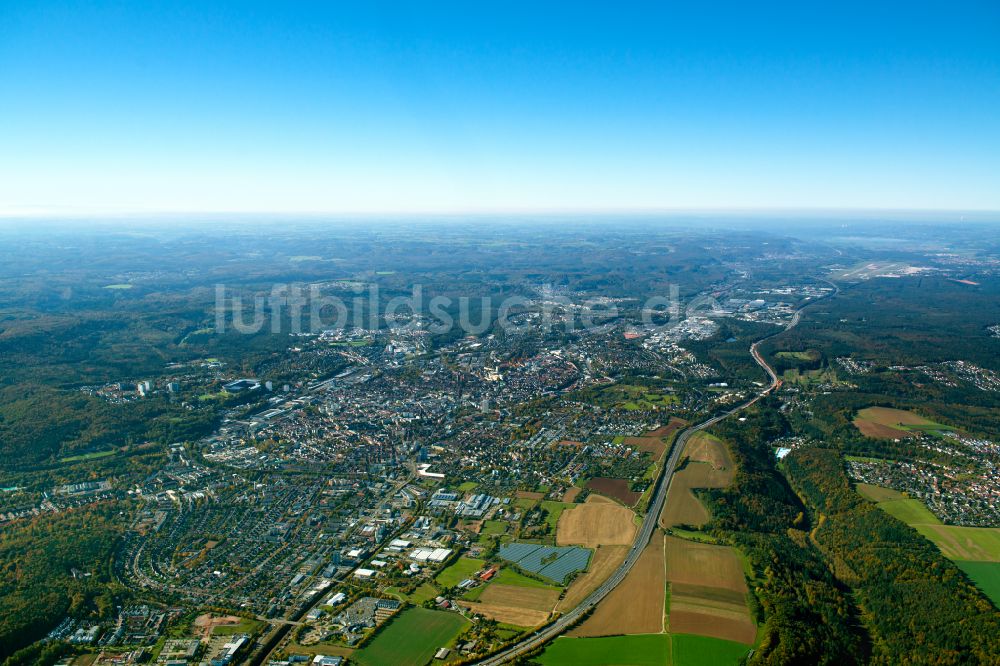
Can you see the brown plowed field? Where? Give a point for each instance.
(636, 605)
(709, 465)
(597, 522)
(614, 488)
(605, 560)
(516, 596)
(741, 630)
(702, 447)
(880, 421)
(707, 591)
(508, 614)
(571, 494)
(705, 564)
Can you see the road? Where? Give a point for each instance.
(650, 520)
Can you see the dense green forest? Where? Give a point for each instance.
(918, 606)
(806, 616)
(37, 563)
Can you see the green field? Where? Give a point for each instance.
(464, 567)
(244, 626)
(554, 510)
(910, 511)
(88, 456)
(986, 576)
(508, 576)
(809, 355)
(690, 650)
(493, 528)
(466, 486)
(411, 638)
(640, 650)
(421, 594)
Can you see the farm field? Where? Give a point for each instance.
(411, 638)
(638, 650)
(980, 544)
(888, 423)
(513, 598)
(614, 488)
(636, 606)
(602, 564)
(553, 512)
(910, 511)
(709, 465)
(878, 493)
(707, 591)
(597, 522)
(529, 598)
(462, 568)
(689, 650)
(986, 576)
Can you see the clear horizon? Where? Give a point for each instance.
(383, 109)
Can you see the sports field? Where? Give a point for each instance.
(639, 650)
(411, 638)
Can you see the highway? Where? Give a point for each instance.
(650, 520)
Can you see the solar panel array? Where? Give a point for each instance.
(553, 562)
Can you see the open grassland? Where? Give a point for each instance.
(411, 638)
(958, 543)
(639, 650)
(597, 522)
(888, 423)
(463, 567)
(636, 606)
(980, 544)
(878, 493)
(508, 576)
(986, 576)
(602, 565)
(553, 510)
(707, 591)
(688, 650)
(614, 488)
(910, 511)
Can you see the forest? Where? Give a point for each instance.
(918, 606)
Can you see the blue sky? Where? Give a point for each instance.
(338, 106)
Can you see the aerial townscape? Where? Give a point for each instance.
(686, 445)
(386, 333)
